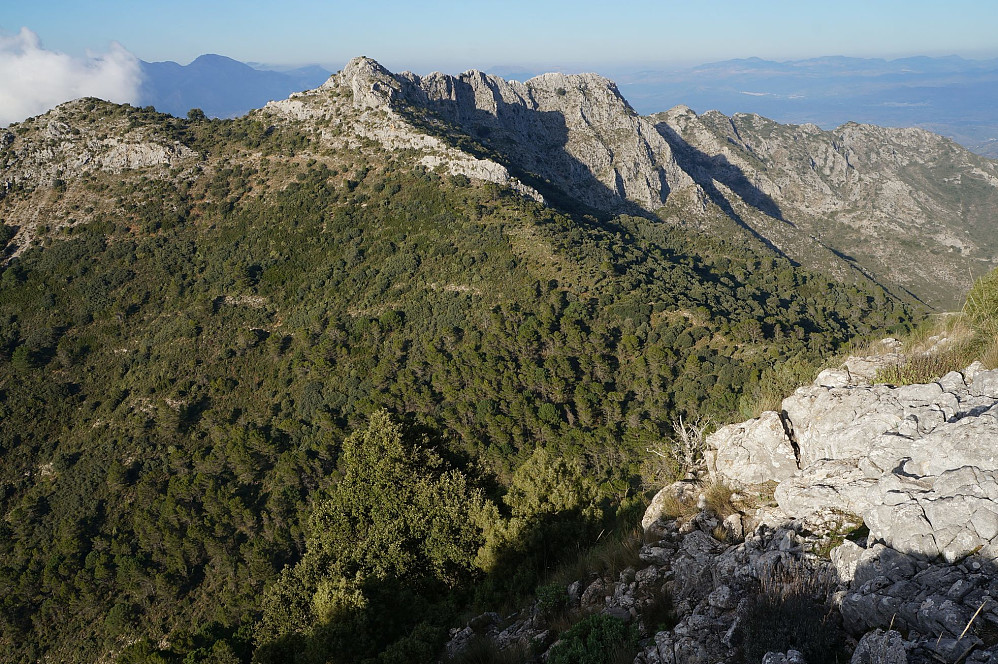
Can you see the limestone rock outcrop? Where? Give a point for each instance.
(752, 452)
(367, 101)
(952, 514)
(917, 463)
(574, 130)
(66, 144)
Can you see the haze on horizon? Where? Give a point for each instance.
(54, 51)
(447, 35)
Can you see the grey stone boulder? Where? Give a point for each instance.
(790, 657)
(952, 382)
(734, 526)
(751, 452)
(619, 613)
(950, 515)
(933, 602)
(594, 594)
(970, 373)
(824, 491)
(833, 378)
(985, 384)
(970, 441)
(723, 598)
(849, 422)
(880, 647)
(841, 422)
(845, 559)
(953, 650)
(864, 369)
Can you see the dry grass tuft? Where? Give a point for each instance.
(719, 500)
(951, 342)
(606, 559)
(791, 610)
(923, 368)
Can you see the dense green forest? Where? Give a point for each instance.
(247, 412)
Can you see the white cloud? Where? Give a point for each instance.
(33, 80)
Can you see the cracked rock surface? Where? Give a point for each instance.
(918, 463)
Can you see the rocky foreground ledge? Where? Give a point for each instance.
(880, 538)
(916, 465)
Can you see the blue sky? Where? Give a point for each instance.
(557, 34)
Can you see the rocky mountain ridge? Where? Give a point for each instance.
(949, 95)
(901, 206)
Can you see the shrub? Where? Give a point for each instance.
(775, 384)
(596, 639)
(921, 368)
(971, 335)
(606, 559)
(717, 494)
(552, 598)
(982, 305)
(719, 501)
(658, 613)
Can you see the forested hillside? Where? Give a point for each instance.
(252, 401)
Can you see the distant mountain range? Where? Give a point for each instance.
(220, 86)
(951, 96)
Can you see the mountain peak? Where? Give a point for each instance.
(217, 84)
(363, 64)
(370, 83)
(212, 58)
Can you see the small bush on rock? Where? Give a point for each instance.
(659, 613)
(982, 304)
(922, 368)
(719, 500)
(596, 639)
(552, 599)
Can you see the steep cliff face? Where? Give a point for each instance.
(576, 131)
(901, 206)
(911, 207)
(366, 101)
